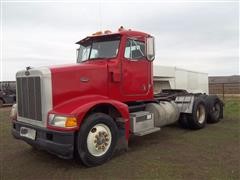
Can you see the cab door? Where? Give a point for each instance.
(135, 69)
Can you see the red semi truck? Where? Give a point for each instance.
(88, 110)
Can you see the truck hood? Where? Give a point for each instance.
(75, 80)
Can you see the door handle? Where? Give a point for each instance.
(84, 79)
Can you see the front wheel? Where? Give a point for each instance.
(96, 139)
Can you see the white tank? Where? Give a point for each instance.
(164, 113)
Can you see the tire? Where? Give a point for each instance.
(215, 109)
(197, 119)
(96, 140)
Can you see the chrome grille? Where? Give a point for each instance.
(29, 97)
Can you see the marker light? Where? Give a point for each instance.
(97, 33)
(107, 32)
(121, 28)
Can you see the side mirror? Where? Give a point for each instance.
(150, 48)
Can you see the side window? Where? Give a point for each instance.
(134, 49)
(84, 52)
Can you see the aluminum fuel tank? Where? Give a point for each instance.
(165, 113)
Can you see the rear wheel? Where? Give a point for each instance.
(197, 119)
(97, 139)
(215, 109)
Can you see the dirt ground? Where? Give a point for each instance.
(172, 153)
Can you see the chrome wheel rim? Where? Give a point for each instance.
(201, 114)
(99, 140)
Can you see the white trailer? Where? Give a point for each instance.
(166, 77)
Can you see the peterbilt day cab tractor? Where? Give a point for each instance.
(88, 110)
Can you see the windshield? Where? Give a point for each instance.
(98, 48)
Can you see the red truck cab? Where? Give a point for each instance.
(88, 109)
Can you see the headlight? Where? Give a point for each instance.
(62, 121)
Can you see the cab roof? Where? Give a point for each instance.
(124, 32)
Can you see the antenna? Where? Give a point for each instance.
(100, 14)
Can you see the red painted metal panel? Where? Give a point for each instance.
(79, 107)
(73, 81)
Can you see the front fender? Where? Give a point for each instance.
(79, 107)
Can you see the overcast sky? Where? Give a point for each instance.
(200, 36)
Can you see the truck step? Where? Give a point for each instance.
(149, 131)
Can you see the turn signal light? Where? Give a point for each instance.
(71, 122)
